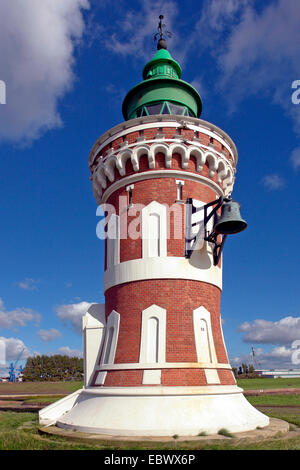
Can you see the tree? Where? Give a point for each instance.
(53, 368)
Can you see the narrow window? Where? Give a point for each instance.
(179, 185)
(153, 335)
(204, 342)
(113, 241)
(111, 338)
(108, 345)
(204, 349)
(154, 235)
(152, 340)
(153, 343)
(154, 230)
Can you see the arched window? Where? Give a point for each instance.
(154, 230)
(153, 342)
(203, 336)
(113, 241)
(111, 337)
(108, 345)
(152, 339)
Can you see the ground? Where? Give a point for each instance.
(19, 430)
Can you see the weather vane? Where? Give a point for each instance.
(161, 27)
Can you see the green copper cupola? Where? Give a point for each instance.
(162, 91)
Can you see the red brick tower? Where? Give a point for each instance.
(159, 364)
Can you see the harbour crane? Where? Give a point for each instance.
(12, 368)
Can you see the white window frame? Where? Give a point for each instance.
(154, 208)
(154, 311)
(153, 377)
(113, 321)
(199, 314)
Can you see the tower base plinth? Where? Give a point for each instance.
(161, 411)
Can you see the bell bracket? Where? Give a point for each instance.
(213, 236)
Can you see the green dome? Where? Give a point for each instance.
(162, 91)
(162, 64)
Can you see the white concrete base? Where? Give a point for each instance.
(51, 413)
(159, 411)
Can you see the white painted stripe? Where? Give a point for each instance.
(162, 365)
(163, 391)
(169, 267)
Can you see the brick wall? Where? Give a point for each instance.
(179, 298)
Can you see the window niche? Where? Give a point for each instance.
(154, 230)
(153, 342)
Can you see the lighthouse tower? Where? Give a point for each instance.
(155, 359)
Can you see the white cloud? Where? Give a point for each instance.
(278, 357)
(13, 348)
(284, 331)
(49, 335)
(17, 317)
(273, 182)
(257, 52)
(66, 351)
(37, 40)
(28, 284)
(261, 56)
(71, 314)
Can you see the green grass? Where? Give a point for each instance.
(262, 384)
(225, 432)
(19, 430)
(277, 400)
(69, 387)
(42, 399)
(39, 387)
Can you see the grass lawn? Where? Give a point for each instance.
(277, 400)
(20, 431)
(65, 388)
(30, 388)
(260, 384)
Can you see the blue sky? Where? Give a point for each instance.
(67, 66)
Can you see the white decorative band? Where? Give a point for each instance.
(148, 122)
(162, 365)
(105, 170)
(167, 267)
(163, 390)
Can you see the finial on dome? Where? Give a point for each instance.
(162, 44)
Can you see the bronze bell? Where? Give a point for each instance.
(230, 220)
